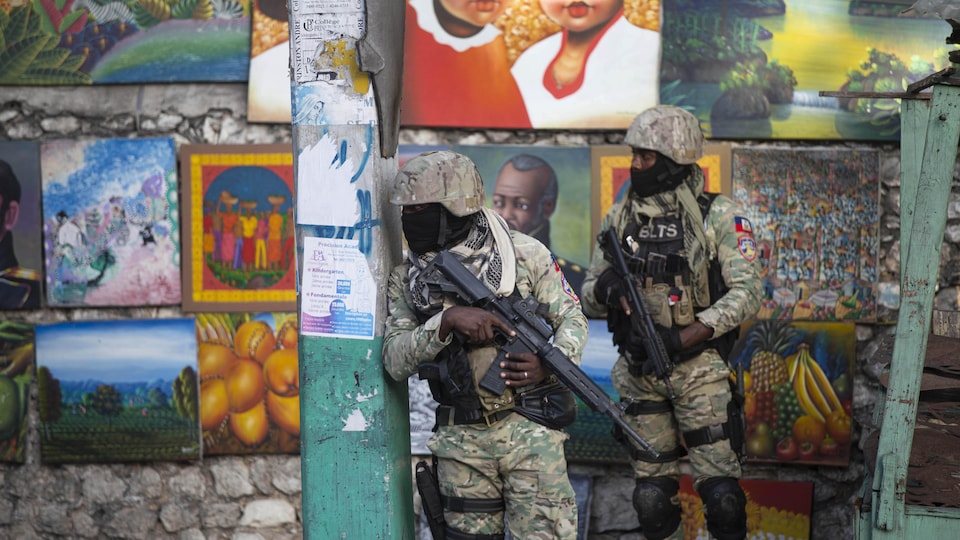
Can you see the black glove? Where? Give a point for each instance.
(607, 289)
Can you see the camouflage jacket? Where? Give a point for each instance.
(729, 238)
(407, 342)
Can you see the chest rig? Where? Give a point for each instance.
(654, 251)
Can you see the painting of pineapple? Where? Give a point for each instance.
(770, 340)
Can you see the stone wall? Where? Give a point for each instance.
(258, 497)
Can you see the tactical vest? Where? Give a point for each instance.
(653, 248)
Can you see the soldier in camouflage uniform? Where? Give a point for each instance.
(693, 260)
(490, 457)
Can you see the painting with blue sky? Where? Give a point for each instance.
(114, 391)
(111, 222)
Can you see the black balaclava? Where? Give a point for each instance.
(433, 228)
(665, 175)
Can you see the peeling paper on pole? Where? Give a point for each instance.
(324, 187)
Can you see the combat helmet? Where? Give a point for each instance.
(672, 131)
(444, 177)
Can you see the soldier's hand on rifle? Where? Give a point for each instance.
(607, 289)
(522, 368)
(475, 324)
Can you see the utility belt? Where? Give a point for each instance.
(548, 403)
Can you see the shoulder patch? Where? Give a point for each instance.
(747, 247)
(563, 280)
(743, 225)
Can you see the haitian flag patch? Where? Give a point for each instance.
(743, 225)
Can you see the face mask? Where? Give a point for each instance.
(433, 228)
(665, 175)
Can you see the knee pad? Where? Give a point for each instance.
(725, 508)
(657, 506)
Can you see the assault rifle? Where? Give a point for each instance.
(640, 319)
(532, 334)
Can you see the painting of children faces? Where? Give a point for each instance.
(581, 16)
(473, 12)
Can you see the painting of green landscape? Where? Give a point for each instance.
(118, 391)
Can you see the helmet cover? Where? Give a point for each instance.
(444, 177)
(670, 130)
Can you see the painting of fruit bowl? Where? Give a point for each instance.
(798, 390)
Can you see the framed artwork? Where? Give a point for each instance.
(118, 391)
(238, 228)
(610, 173)
(116, 42)
(16, 373)
(591, 435)
(798, 382)
(268, 87)
(541, 191)
(775, 509)
(111, 222)
(249, 382)
(763, 75)
(815, 214)
(501, 76)
(21, 244)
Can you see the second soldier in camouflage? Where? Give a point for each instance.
(693, 259)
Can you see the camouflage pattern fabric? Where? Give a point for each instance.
(407, 343)
(672, 131)
(727, 239)
(701, 383)
(487, 463)
(515, 458)
(446, 177)
(703, 392)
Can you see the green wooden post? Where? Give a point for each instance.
(355, 432)
(928, 163)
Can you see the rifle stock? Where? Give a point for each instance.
(532, 334)
(639, 317)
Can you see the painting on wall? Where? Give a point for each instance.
(755, 70)
(249, 382)
(21, 246)
(502, 74)
(775, 509)
(610, 170)
(81, 42)
(268, 88)
(542, 192)
(798, 383)
(815, 214)
(16, 373)
(591, 435)
(118, 391)
(111, 222)
(238, 227)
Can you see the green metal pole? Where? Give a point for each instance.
(355, 434)
(926, 179)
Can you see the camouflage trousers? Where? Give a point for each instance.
(703, 391)
(517, 460)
